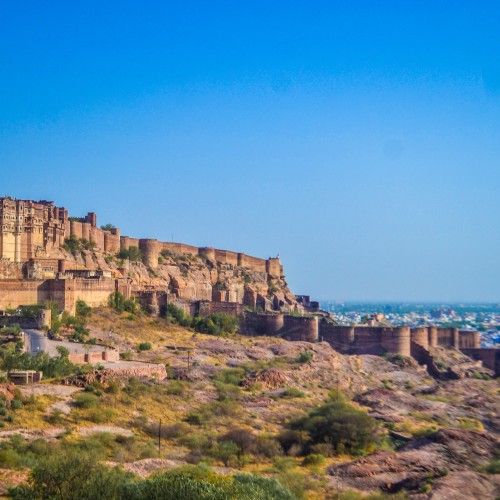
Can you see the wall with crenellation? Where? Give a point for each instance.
(360, 339)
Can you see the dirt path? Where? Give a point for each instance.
(64, 392)
(112, 429)
(31, 435)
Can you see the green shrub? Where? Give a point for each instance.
(119, 303)
(227, 451)
(126, 355)
(313, 459)
(16, 404)
(133, 254)
(293, 392)
(305, 357)
(340, 424)
(59, 366)
(176, 388)
(175, 314)
(216, 324)
(82, 309)
(232, 376)
(100, 414)
(144, 346)
(57, 417)
(195, 418)
(72, 474)
(493, 467)
(86, 400)
(73, 245)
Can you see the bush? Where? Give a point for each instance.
(173, 431)
(267, 447)
(305, 357)
(340, 424)
(72, 474)
(176, 388)
(126, 355)
(175, 314)
(493, 467)
(144, 346)
(133, 254)
(86, 400)
(216, 324)
(100, 414)
(119, 303)
(72, 245)
(313, 459)
(232, 376)
(82, 309)
(293, 441)
(293, 392)
(16, 404)
(56, 417)
(244, 439)
(59, 366)
(227, 452)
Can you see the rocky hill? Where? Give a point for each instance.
(190, 277)
(245, 404)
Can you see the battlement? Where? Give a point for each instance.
(359, 339)
(38, 229)
(151, 250)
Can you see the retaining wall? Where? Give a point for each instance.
(300, 328)
(489, 357)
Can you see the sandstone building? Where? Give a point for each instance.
(38, 263)
(45, 255)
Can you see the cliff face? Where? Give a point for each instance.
(194, 277)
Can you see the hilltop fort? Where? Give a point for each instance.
(47, 255)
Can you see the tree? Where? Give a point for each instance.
(72, 475)
(340, 424)
(119, 303)
(82, 309)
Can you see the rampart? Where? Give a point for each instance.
(33, 267)
(205, 308)
(151, 250)
(489, 357)
(289, 327)
(375, 340)
(64, 292)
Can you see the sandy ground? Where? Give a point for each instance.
(64, 392)
(112, 429)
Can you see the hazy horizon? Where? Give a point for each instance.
(361, 142)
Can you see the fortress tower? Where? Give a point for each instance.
(30, 229)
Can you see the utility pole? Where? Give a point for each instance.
(189, 352)
(159, 439)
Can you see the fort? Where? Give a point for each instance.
(37, 265)
(375, 340)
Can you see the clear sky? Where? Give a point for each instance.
(359, 140)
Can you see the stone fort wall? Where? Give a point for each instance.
(31, 230)
(357, 339)
(64, 292)
(151, 250)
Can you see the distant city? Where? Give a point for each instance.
(482, 317)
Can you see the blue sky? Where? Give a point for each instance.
(359, 140)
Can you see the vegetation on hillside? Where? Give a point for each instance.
(214, 324)
(76, 473)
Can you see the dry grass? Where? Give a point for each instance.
(32, 415)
